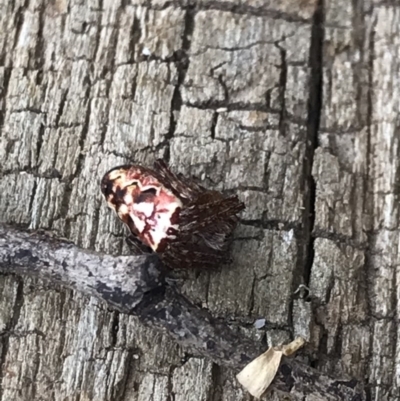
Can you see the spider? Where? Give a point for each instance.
(184, 223)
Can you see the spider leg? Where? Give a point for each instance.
(136, 246)
(212, 219)
(179, 185)
(187, 255)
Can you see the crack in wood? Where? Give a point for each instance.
(5, 340)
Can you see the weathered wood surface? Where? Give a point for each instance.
(232, 92)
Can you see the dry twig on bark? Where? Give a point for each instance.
(136, 285)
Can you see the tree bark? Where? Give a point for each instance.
(292, 105)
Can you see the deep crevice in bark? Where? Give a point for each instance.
(61, 106)
(135, 34)
(215, 388)
(114, 329)
(40, 142)
(5, 336)
(314, 115)
(32, 198)
(182, 64)
(94, 231)
(214, 124)
(38, 58)
(3, 94)
(82, 139)
(368, 263)
(282, 90)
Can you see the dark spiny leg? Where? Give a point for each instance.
(219, 211)
(136, 246)
(178, 184)
(174, 258)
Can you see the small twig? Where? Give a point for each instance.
(135, 285)
(122, 281)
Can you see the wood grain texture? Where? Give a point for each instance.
(290, 105)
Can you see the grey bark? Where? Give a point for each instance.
(292, 106)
